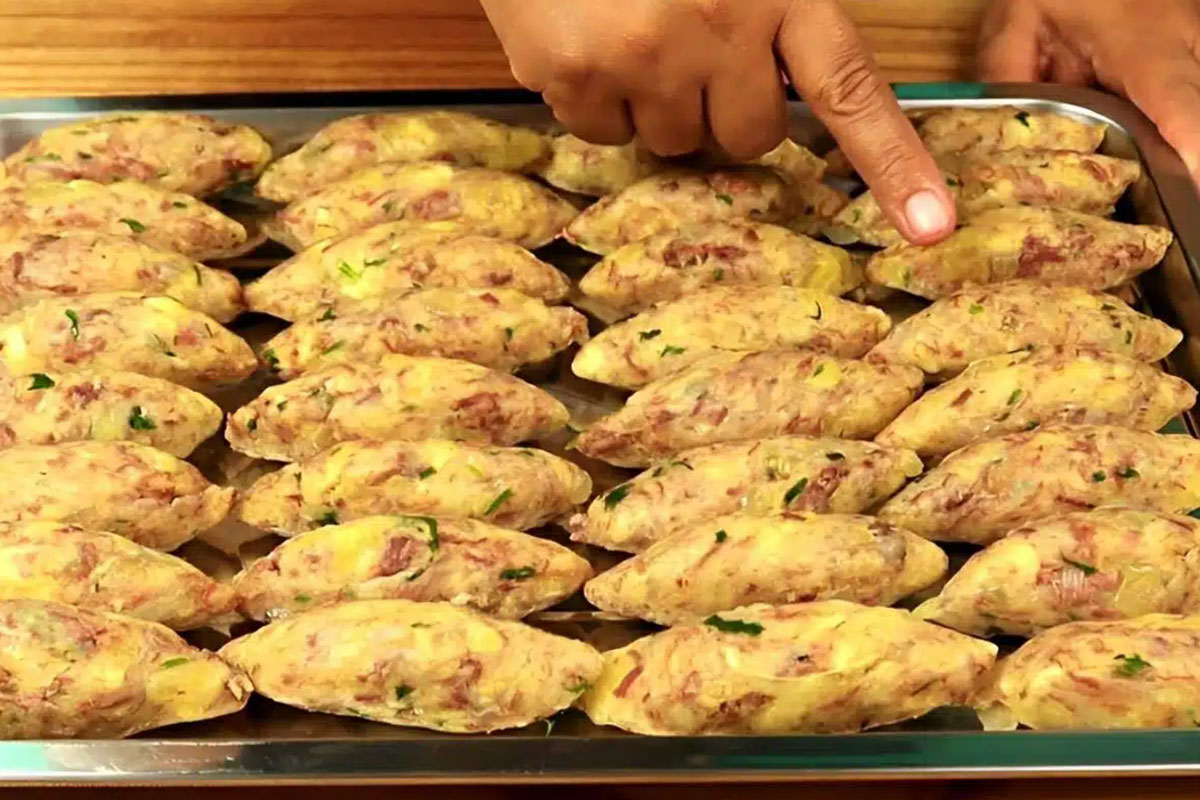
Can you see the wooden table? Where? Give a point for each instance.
(77, 47)
(72, 47)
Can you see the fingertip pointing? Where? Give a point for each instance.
(930, 216)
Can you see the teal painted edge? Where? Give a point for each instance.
(938, 91)
(949, 751)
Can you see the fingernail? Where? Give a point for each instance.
(926, 213)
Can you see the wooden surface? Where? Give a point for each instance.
(77, 47)
(74, 47)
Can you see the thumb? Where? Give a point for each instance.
(1008, 42)
(830, 67)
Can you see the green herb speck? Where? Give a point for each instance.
(733, 625)
(508, 334)
(1022, 117)
(835, 456)
(725, 198)
(718, 274)
(671, 350)
(328, 315)
(518, 574)
(579, 687)
(1130, 665)
(1014, 397)
(975, 309)
(333, 348)
(173, 662)
(347, 270)
(1129, 472)
(721, 536)
(427, 472)
(179, 204)
(403, 691)
(1086, 569)
(328, 518)
(500, 500)
(271, 359)
(138, 421)
(1128, 337)
(303, 598)
(1098, 476)
(613, 498)
(431, 528)
(41, 381)
(71, 315)
(797, 489)
(134, 225)
(646, 336)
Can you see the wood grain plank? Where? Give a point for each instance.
(83, 47)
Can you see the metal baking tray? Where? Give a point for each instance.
(270, 743)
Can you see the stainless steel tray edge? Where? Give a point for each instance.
(208, 754)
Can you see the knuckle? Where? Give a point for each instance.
(851, 88)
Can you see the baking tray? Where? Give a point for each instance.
(269, 743)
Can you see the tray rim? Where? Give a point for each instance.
(524, 759)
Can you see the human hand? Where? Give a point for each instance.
(1147, 50)
(677, 72)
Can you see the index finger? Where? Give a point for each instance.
(830, 67)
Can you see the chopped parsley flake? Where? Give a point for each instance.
(374, 262)
(328, 315)
(733, 625)
(271, 359)
(1130, 666)
(820, 368)
(333, 348)
(252, 425)
(403, 691)
(41, 381)
(721, 536)
(1014, 397)
(138, 421)
(419, 328)
(173, 662)
(134, 225)
(1098, 476)
(328, 518)
(518, 574)
(179, 204)
(1033, 423)
(500, 500)
(508, 334)
(1128, 337)
(1022, 117)
(1129, 472)
(349, 271)
(725, 198)
(646, 336)
(718, 273)
(856, 215)
(1086, 569)
(303, 598)
(426, 473)
(71, 315)
(835, 456)
(671, 350)
(975, 309)
(613, 498)
(579, 687)
(797, 489)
